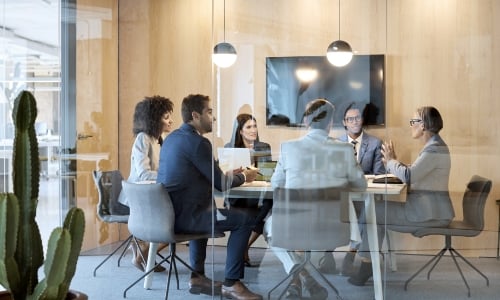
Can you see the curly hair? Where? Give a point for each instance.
(148, 115)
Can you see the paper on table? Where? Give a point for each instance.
(257, 183)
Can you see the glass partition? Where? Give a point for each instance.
(90, 62)
(421, 67)
(31, 61)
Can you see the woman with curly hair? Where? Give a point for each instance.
(152, 120)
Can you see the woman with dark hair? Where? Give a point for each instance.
(152, 120)
(246, 135)
(428, 202)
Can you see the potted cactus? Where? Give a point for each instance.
(21, 251)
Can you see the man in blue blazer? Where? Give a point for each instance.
(188, 170)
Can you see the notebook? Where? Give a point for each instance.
(387, 178)
(266, 168)
(233, 158)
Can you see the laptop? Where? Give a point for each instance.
(233, 158)
(266, 168)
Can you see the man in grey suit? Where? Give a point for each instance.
(313, 161)
(367, 149)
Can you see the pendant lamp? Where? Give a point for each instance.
(224, 54)
(339, 52)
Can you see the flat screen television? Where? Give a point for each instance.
(360, 82)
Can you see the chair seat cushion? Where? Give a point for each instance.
(456, 228)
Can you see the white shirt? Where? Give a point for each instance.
(358, 140)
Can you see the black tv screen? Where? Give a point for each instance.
(361, 81)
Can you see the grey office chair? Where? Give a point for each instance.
(109, 209)
(309, 220)
(152, 219)
(473, 203)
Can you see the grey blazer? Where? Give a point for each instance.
(369, 157)
(427, 179)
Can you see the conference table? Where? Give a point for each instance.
(263, 190)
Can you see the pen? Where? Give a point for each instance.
(248, 168)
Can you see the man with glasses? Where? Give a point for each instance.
(367, 151)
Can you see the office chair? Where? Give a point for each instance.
(471, 225)
(309, 220)
(109, 209)
(152, 219)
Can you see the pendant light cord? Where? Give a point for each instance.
(224, 20)
(386, 27)
(339, 19)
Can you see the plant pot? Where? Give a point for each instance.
(72, 295)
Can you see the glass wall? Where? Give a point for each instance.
(90, 62)
(31, 60)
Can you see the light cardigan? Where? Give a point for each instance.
(144, 158)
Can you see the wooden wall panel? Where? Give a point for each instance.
(97, 109)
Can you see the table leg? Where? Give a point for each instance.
(498, 237)
(153, 248)
(371, 220)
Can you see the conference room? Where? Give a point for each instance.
(104, 57)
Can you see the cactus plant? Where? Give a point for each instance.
(21, 251)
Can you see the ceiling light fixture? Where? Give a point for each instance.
(224, 54)
(339, 53)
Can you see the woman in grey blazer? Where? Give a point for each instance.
(428, 202)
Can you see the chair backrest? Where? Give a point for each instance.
(474, 201)
(109, 187)
(309, 219)
(152, 215)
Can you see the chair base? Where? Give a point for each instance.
(125, 243)
(297, 270)
(172, 265)
(454, 254)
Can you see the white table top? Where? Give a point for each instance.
(373, 188)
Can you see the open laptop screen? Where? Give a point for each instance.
(233, 158)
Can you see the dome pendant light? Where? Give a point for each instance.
(339, 53)
(224, 54)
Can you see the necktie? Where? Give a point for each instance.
(354, 142)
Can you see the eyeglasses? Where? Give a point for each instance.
(413, 121)
(353, 119)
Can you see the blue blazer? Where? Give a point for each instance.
(370, 157)
(185, 169)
